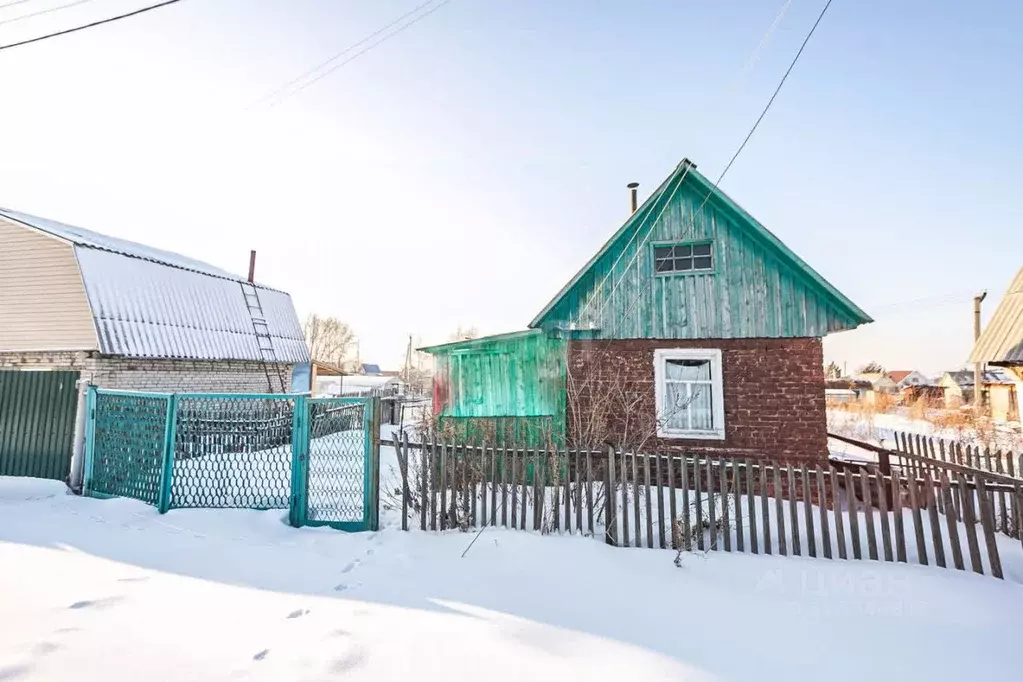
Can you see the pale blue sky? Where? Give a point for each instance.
(461, 172)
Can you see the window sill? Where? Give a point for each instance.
(684, 273)
(691, 435)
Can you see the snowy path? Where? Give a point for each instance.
(110, 590)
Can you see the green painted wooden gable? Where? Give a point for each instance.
(757, 287)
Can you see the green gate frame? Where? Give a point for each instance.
(298, 514)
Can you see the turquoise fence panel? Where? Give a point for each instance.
(127, 444)
(232, 451)
(336, 468)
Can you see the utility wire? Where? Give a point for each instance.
(89, 25)
(44, 11)
(12, 4)
(337, 56)
(360, 53)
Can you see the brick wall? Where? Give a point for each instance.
(773, 394)
(167, 376)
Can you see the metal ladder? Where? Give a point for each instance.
(264, 342)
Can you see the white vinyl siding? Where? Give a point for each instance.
(689, 393)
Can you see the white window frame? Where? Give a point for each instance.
(661, 355)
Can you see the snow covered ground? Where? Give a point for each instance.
(110, 590)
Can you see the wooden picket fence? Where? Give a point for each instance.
(918, 511)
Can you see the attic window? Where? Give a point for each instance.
(683, 258)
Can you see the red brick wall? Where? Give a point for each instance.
(773, 394)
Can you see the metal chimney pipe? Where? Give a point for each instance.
(633, 199)
(252, 266)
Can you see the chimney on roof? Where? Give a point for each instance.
(252, 266)
(633, 187)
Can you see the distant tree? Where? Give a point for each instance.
(832, 371)
(329, 339)
(872, 367)
(465, 333)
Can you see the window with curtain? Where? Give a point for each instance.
(690, 400)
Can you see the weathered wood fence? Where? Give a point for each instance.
(918, 511)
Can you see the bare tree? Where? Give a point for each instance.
(832, 371)
(872, 367)
(465, 333)
(329, 339)
(418, 368)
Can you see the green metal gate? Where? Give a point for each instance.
(37, 423)
(319, 458)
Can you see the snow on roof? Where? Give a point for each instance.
(149, 303)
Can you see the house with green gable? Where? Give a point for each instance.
(693, 327)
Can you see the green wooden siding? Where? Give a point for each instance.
(757, 288)
(37, 422)
(518, 375)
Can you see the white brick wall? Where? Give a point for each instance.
(166, 376)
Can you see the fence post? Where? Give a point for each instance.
(371, 476)
(299, 455)
(90, 439)
(167, 473)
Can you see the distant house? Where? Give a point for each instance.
(371, 370)
(907, 377)
(698, 323)
(1001, 345)
(78, 305)
(846, 390)
(997, 385)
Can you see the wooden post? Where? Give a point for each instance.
(649, 511)
(402, 453)
(886, 536)
(970, 521)
(443, 486)
(932, 515)
(751, 508)
(504, 487)
(987, 521)
(793, 512)
(697, 476)
(823, 500)
(577, 465)
(625, 502)
(854, 515)
(952, 523)
(635, 499)
(765, 509)
(687, 528)
(1002, 515)
(672, 504)
(425, 492)
(493, 486)
(868, 514)
(611, 500)
(898, 518)
(514, 485)
(660, 501)
(568, 487)
(525, 493)
(725, 516)
(778, 509)
(589, 489)
(737, 477)
(918, 523)
(711, 511)
(811, 537)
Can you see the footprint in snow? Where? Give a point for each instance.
(298, 613)
(351, 565)
(259, 656)
(44, 648)
(139, 579)
(96, 603)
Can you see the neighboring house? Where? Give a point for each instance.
(697, 324)
(1001, 345)
(371, 370)
(846, 390)
(132, 317)
(879, 382)
(905, 378)
(998, 387)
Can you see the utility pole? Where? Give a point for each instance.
(408, 361)
(978, 369)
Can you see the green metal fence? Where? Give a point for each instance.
(37, 423)
(316, 457)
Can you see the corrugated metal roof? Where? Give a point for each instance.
(95, 240)
(1002, 339)
(149, 303)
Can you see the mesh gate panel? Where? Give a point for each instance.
(337, 461)
(232, 452)
(129, 440)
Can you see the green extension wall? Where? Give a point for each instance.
(37, 423)
(518, 377)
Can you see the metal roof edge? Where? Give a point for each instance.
(474, 343)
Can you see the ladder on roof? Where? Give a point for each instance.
(267, 354)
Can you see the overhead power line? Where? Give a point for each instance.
(44, 11)
(89, 25)
(340, 54)
(12, 4)
(363, 51)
